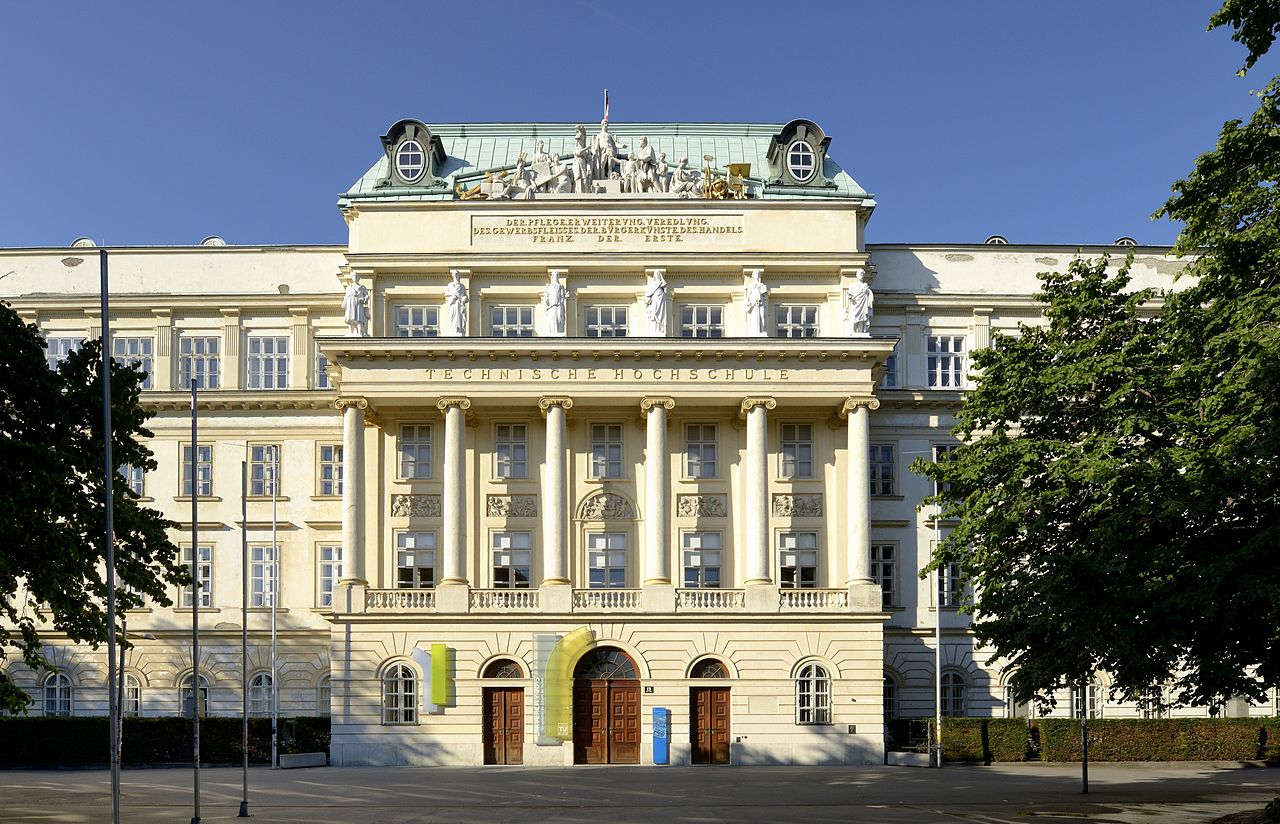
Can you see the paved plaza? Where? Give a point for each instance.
(1179, 794)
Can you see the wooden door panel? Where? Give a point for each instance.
(699, 739)
(590, 722)
(492, 726)
(514, 726)
(624, 722)
(719, 726)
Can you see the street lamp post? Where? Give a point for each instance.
(244, 636)
(196, 593)
(275, 588)
(108, 473)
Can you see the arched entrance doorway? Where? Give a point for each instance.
(709, 714)
(606, 708)
(503, 714)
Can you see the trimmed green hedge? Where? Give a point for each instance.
(84, 742)
(984, 739)
(1162, 739)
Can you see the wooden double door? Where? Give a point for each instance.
(709, 724)
(606, 721)
(503, 725)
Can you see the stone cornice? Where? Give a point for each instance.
(238, 399)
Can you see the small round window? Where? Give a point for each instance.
(411, 161)
(801, 161)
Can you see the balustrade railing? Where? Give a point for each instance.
(813, 599)
(502, 600)
(606, 600)
(711, 599)
(379, 600)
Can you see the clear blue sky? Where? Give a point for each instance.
(1047, 122)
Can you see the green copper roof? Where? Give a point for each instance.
(474, 148)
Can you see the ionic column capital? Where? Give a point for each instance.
(663, 401)
(855, 401)
(359, 403)
(548, 401)
(462, 403)
(751, 403)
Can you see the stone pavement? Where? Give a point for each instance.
(1122, 794)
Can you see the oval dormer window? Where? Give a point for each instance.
(801, 161)
(411, 161)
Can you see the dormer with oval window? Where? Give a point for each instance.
(796, 155)
(413, 155)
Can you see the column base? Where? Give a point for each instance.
(658, 597)
(453, 597)
(865, 596)
(555, 597)
(762, 597)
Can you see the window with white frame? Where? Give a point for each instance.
(797, 450)
(606, 322)
(414, 447)
(268, 362)
(264, 572)
(415, 560)
(882, 468)
(58, 348)
(813, 695)
(512, 559)
(328, 572)
(702, 558)
(702, 322)
(264, 470)
(607, 560)
(329, 470)
(700, 459)
(203, 470)
(322, 370)
(802, 162)
(1155, 702)
(324, 696)
(1013, 708)
(417, 321)
(884, 571)
(797, 321)
(134, 478)
(606, 450)
(950, 586)
(945, 359)
(940, 453)
(198, 361)
(58, 694)
(798, 560)
(132, 705)
(890, 699)
(204, 570)
(511, 321)
(399, 695)
(188, 699)
(134, 352)
(511, 450)
(1088, 699)
(954, 690)
(260, 694)
(890, 379)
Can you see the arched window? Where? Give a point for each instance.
(260, 694)
(132, 706)
(188, 702)
(399, 695)
(890, 697)
(503, 668)
(605, 664)
(813, 695)
(709, 668)
(324, 696)
(58, 691)
(953, 694)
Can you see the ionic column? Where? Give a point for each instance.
(453, 569)
(858, 411)
(657, 472)
(353, 488)
(555, 506)
(755, 489)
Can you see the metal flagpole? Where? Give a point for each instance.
(275, 586)
(196, 592)
(108, 472)
(244, 634)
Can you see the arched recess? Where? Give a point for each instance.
(832, 671)
(700, 667)
(606, 663)
(642, 667)
(606, 707)
(503, 667)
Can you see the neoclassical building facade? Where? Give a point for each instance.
(585, 453)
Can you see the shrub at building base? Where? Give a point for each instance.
(984, 739)
(1162, 739)
(83, 742)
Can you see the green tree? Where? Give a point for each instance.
(52, 513)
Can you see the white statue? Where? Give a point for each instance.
(757, 306)
(684, 181)
(664, 173)
(455, 308)
(644, 167)
(581, 162)
(655, 303)
(554, 297)
(858, 307)
(355, 308)
(604, 150)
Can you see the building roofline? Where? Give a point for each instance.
(89, 251)
(1021, 247)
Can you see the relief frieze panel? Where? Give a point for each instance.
(797, 506)
(701, 506)
(511, 506)
(415, 506)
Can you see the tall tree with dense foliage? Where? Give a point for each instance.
(52, 511)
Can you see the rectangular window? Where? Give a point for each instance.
(606, 450)
(700, 450)
(949, 585)
(134, 352)
(797, 450)
(945, 361)
(264, 470)
(940, 451)
(417, 321)
(701, 551)
(328, 572)
(264, 572)
(606, 321)
(268, 363)
(203, 467)
(607, 560)
(890, 379)
(414, 449)
(797, 321)
(198, 360)
(798, 560)
(511, 450)
(58, 348)
(322, 374)
(329, 470)
(415, 560)
(882, 468)
(701, 322)
(884, 571)
(511, 321)
(204, 568)
(512, 559)
(134, 477)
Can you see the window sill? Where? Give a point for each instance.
(888, 498)
(278, 610)
(337, 497)
(320, 610)
(809, 479)
(265, 498)
(602, 481)
(138, 610)
(146, 499)
(203, 610)
(202, 499)
(496, 481)
(709, 479)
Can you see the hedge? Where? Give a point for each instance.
(985, 739)
(1162, 739)
(84, 741)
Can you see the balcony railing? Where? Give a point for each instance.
(400, 600)
(607, 600)
(813, 600)
(504, 600)
(711, 600)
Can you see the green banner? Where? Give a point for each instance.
(558, 719)
(441, 683)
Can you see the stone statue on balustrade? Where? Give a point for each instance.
(455, 308)
(684, 181)
(663, 175)
(655, 305)
(582, 160)
(643, 168)
(859, 303)
(757, 306)
(604, 153)
(554, 298)
(355, 308)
